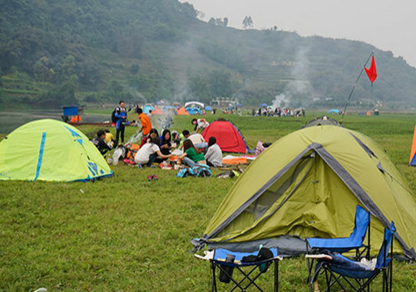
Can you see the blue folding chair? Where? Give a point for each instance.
(344, 244)
(357, 275)
(227, 261)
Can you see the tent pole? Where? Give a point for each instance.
(353, 88)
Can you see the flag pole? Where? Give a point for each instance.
(353, 88)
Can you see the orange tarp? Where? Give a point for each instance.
(237, 160)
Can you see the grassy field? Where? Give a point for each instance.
(128, 234)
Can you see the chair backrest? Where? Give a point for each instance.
(382, 260)
(362, 221)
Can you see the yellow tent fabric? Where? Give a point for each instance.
(308, 184)
(50, 150)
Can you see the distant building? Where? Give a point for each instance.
(224, 101)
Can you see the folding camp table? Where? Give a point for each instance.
(249, 271)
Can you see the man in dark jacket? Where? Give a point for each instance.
(100, 143)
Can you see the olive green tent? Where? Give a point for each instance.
(308, 184)
(50, 150)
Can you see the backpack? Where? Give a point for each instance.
(113, 116)
(199, 170)
(132, 150)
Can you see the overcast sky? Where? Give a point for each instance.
(389, 25)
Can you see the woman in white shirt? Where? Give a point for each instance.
(214, 153)
(149, 152)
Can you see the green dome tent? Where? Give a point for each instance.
(308, 184)
(50, 150)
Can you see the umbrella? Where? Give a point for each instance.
(263, 105)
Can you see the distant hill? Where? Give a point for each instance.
(67, 52)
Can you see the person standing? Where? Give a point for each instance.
(121, 116)
(146, 125)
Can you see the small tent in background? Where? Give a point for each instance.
(227, 135)
(335, 111)
(182, 112)
(50, 150)
(308, 184)
(148, 108)
(157, 111)
(412, 161)
(193, 111)
(196, 104)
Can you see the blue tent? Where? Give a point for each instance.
(148, 108)
(193, 111)
(208, 108)
(337, 111)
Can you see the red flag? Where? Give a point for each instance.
(372, 72)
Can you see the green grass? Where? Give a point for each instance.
(128, 234)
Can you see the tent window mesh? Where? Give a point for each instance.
(280, 190)
(282, 186)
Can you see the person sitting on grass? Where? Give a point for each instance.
(100, 143)
(146, 139)
(165, 145)
(191, 155)
(165, 142)
(197, 140)
(109, 138)
(214, 153)
(148, 153)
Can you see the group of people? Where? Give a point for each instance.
(197, 150)
(120, 119)
(278, 112)
(155, 148)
